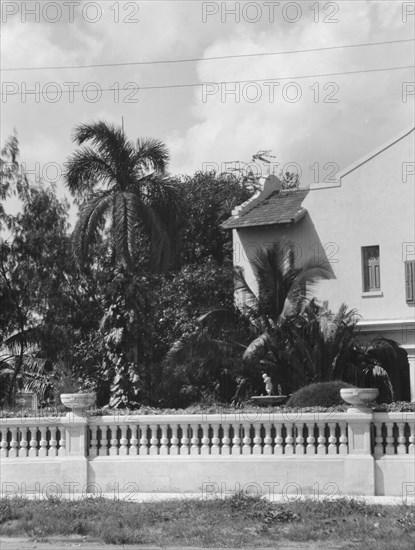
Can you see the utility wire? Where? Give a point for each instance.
(194, 59)
(194, 85)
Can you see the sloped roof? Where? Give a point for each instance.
(279, 207)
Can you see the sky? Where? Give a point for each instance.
(311, 118)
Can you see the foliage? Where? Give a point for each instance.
(207, 200)
(32, 284)
(123, 191)
(282, 292)
(323, 394)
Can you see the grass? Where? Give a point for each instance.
(237, 522)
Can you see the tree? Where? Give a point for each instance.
(123, 188)
(283, 291)
(208, 200)
(32, 257)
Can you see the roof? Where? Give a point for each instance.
(279, 207)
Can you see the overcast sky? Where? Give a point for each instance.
(308, 121)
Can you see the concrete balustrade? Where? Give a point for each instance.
(356, 453)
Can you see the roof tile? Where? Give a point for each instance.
(279, 207)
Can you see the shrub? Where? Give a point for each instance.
(323, 394)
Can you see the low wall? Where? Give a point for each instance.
(264, 453)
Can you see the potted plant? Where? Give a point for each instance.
(359, 398)
(75, 393)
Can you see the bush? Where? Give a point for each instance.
(323, 394)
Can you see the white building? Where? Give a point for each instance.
(364, 225)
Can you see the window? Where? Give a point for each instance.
(371, 268)
(410, 281)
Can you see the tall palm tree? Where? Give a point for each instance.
(122, 187)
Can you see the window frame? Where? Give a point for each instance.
(367, 288)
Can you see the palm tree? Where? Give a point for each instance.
(123, 187)
(283, 289)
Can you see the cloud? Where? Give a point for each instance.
(330, 119)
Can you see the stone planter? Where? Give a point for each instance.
(359, 398)
(78, 402)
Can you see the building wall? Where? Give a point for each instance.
(371, 205)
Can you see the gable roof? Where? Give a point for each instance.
(279, 207)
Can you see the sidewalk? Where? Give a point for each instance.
(278, 498)
(73, 543)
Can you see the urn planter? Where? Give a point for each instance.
(78, 402)
(359, 398)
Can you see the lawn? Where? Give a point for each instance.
(239, 521)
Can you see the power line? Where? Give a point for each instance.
(194, 85)
(194, 59)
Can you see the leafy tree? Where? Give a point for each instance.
(32, 257)
(207, 200)
(123, 188)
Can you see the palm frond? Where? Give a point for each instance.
(152, 154)
(86, 230)
(84, 169)
(200, 347)
(257, 349)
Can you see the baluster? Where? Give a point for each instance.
(62, 442)
(268, 440)
(143, 449)
(311, 440)
(23, 442)
(257, 449)
(332, 450)
(278, 449)
(133, 451)
(226, 448)
(184, 441)
(33, 442)
(299, 440)
(43, 442)
(390, 449)
(194, 449)
(13, 443)
(164, 440)
(343, 439)
(289, 440)
(411, 448)
(378, 451)
(246, 448)
(154, 441)
(174, 448)
(4, 453)
(215, 450)
(205, 450)
(53, 443)
(236, 440)
(401, 450)
(93, 442)
(113, 449)
(123, 451)
(321, 440)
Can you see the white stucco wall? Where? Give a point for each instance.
(372, 205)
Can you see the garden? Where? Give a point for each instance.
(140, 302)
